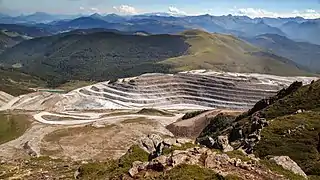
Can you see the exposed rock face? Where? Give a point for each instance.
(257, 124)
(154, 144)
(150, 143)
(288, 164)
(223, 144)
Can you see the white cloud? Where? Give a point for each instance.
(176, 11)
(125, 9)
(95, 10)
(90, 10)
(251, 12)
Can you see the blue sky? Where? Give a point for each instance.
(253, 8)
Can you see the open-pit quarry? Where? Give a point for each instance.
(101, 121)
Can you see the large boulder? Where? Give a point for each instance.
(287, 163)
(151, 143)
(223, 143)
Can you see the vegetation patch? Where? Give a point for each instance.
(192, 114)
(190, 172)
(113, 169)
(238, 154)
(305, 98)
(296, 136)
(216, 125)
(17, 83)
(182, 147)
(55, 136)
(74, 84)
(154, 112)
(12, 126)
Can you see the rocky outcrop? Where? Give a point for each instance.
(257, 124)
(223, 144)
(287, 163)
(154, 144)
(206, 158)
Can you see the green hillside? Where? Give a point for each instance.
(227, 53)
(106, 55)
(17, 83)
(7, 41)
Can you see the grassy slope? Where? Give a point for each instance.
(17, 83)
(302, 142)
(12, 126)
(227, 53)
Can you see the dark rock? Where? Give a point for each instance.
(207, 141)
(156, 166)
(29, 150)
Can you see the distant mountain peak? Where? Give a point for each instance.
(96, 15)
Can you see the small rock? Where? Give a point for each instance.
(98, 125)
(161, 159)
(184, 140)
(137, 166)
(169, 141)
(84, 162)
(76, 174)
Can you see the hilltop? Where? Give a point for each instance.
(108, 55)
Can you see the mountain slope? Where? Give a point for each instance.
(97, 56)
(16, 83)
(306, 31)
(24, 30)
(106, 55)
(7, 41)
(305, 54)
(227, 53)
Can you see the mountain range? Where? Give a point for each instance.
(98, 47)
(297, 28)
